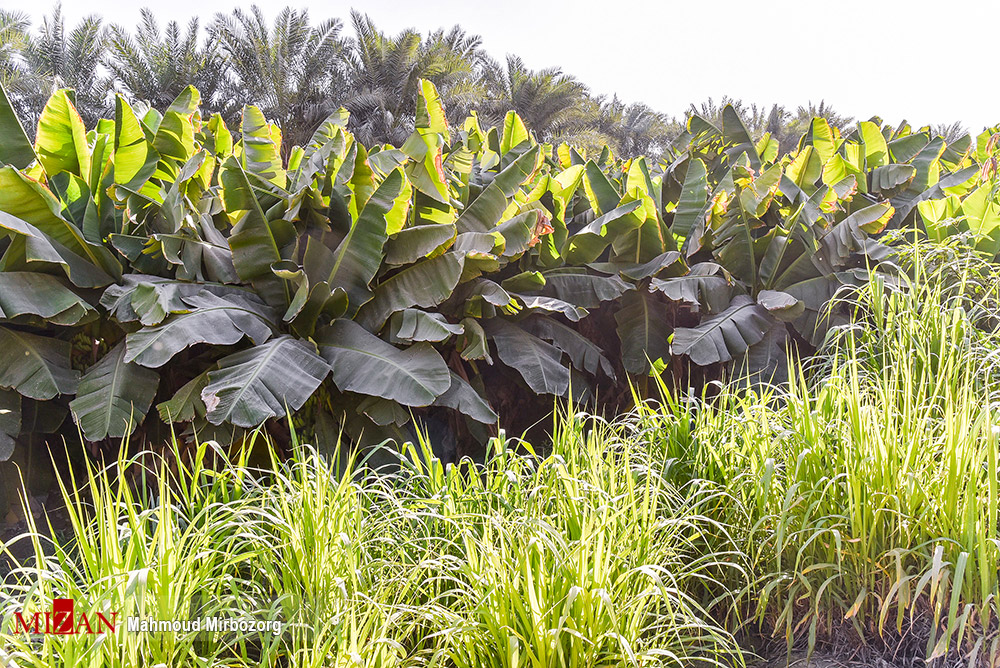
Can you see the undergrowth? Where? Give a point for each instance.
(860, 501)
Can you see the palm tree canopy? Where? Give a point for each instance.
(298, 72)
(155, 67)
(59, 58)
(550, 102)
(291, 71)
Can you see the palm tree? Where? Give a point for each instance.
(794, 127)
(455, 61)
(384, 71)
(635, 129)
(291, 71)
(778, 121)
(13, 73)
(13, 37)
(825, 111)
(950, 132)
(156, 67)
(756, 118)
(57, 59)
(552, 104)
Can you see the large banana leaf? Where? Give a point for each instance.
(430, 110)
(15, 148)
(263, 382)
(174, 138)
(981, 208)
(154, 301)
(383, 412)
(781, 305)
(487, 209)
(472, 343)
(463, 398)
(261, 156)
(815, 294)
(644, 241)
(805, 170)
(135, 158)
(820, 137)
(425, 284)
(211, 319)
(643, 330)
(587, 245)
(920, 188)
(693, 199)
(603, 194)
(890, 180)
(735, 134)
(425, 147)
(363, 363)
(519, 233)
(28, 201)
(734, 239)
(186, 404)
(414, 243)
(766, 362)
(37, 367)
(724, 336)
(706, 286)
(147, 298)
(359, 256)
(940, 216)
(113, 397)
(580, 288)
(538, 362)
(413, 325)
(150, 299)
(61, 140)
(10, 422)
(572, 312)
(876, 151)
(514, 133)
(905, 148)
(256, 242)
(835, 246)
(584, 355)
(24, 293)
(311, 302)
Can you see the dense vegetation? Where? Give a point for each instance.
(858, 507)
(158, 259)
(787, 362)
(298, 72)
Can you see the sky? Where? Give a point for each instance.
(925, 62)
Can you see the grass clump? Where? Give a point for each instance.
(586, 556)
(867, 491)
(858, 503)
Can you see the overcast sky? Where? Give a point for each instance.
(927, 62)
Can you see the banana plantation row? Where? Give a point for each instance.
(163, 269)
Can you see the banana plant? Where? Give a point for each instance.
(163, 268)
(954, 206)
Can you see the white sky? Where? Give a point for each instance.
(927, 62)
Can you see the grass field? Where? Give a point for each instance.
(859, 504)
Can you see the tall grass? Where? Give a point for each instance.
(859, 503)
(867, 491)
(587, 556)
